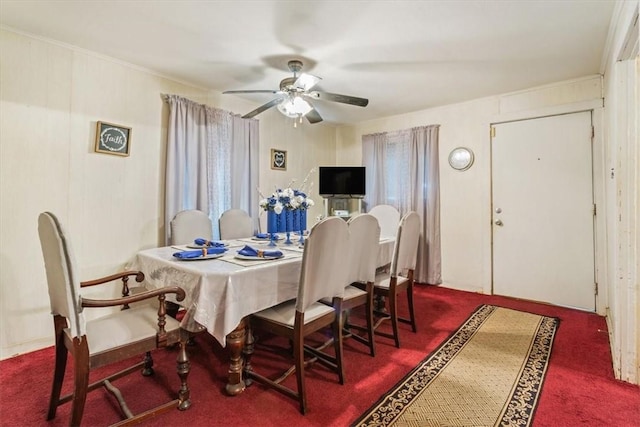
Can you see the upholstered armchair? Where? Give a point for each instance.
(135, 329)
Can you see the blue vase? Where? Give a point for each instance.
(272, 222)
(282, 221)
(272, 226)
(303, 219)
(288, 219)
(296, 219)
(302, 224)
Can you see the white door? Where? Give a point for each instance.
(543, 245)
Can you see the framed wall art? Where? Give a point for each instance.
(278, 159)
(113, 139)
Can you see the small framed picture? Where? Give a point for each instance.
(113, 139)
(278, 159)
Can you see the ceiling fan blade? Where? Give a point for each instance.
(251, 91)
(313, 116)
(345, 99)
(262, 108)
(306, 81)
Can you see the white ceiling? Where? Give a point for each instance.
(402, 55)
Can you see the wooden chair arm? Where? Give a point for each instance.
(161, 292)
(122, 275)
(161, 335)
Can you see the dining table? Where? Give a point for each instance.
(223, 289)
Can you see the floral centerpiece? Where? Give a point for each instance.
(287, 209)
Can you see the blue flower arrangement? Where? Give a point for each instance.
(286, 209)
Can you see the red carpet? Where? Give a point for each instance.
(579, 388)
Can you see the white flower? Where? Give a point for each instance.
(278, 208)
(295, 204)
(310, 202)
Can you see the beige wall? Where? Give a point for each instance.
(51, 97)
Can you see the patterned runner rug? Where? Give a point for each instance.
(488, 373)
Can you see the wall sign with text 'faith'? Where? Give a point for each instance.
(113, 139)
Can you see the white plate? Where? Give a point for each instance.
(257, 258)
(210, 256)
(194, 246)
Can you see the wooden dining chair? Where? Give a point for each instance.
(235, 224)
(131, 331)
(324, 274)
(400, 276)
(364, 238)
(189, 225)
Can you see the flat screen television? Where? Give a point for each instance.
(346, 181)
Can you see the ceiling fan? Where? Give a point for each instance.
(294, 96)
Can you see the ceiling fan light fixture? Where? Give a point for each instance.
(294, 107)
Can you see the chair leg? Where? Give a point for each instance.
(60, 366)
(412, 315)
(81, 353)
(393, 311)
(369, 316)
(184, 366)
(298, 354)
(147, 369)
(337, 345)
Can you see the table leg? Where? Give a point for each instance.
(235, 344)
(247, 351)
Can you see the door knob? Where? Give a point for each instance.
(498, 222)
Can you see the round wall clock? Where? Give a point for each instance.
(461, 158)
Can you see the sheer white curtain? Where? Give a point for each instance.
(402, 171)
(244, 167)
(211, 161)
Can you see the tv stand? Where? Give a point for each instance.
(342, 205)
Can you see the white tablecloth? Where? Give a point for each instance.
(220, 292)
(385, 252)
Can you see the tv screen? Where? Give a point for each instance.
(342, 181)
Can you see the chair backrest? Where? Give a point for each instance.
(324, 271)
(62, 277)
(364, 238)
(235, 224)
(405, 251)
(189, 225)
(388, 217)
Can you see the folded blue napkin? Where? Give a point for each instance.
(267, 236)
(198, 253)
(249, 251)
(210, 243)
